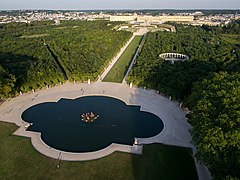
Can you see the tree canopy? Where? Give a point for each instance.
(31, 52)
(7, 82)
(207, 53)
(215, 119)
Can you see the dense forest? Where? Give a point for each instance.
(215, 119)
(208, 53)
(208, 84)
(35, 55)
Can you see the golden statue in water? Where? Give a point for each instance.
(89, 117)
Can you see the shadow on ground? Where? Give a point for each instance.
(160, 161)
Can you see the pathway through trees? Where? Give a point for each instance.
(58, 63)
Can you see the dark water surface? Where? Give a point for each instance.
(61, 126)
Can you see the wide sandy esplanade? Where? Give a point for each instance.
(175, 130)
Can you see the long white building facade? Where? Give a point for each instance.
(152, 19)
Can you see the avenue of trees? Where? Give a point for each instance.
(208, 84)
(83, 49)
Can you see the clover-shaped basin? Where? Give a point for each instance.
(61, 125)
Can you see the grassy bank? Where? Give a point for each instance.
(117, 73)
(19, 160)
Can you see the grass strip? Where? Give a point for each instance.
(117, 72)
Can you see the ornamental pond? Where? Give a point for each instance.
(63, 125)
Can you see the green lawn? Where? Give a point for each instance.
(19, 160)
(117, 73)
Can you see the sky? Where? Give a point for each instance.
(119, 4)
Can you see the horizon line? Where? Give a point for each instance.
(116, 9)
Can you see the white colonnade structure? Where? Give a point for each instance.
(174, 57)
